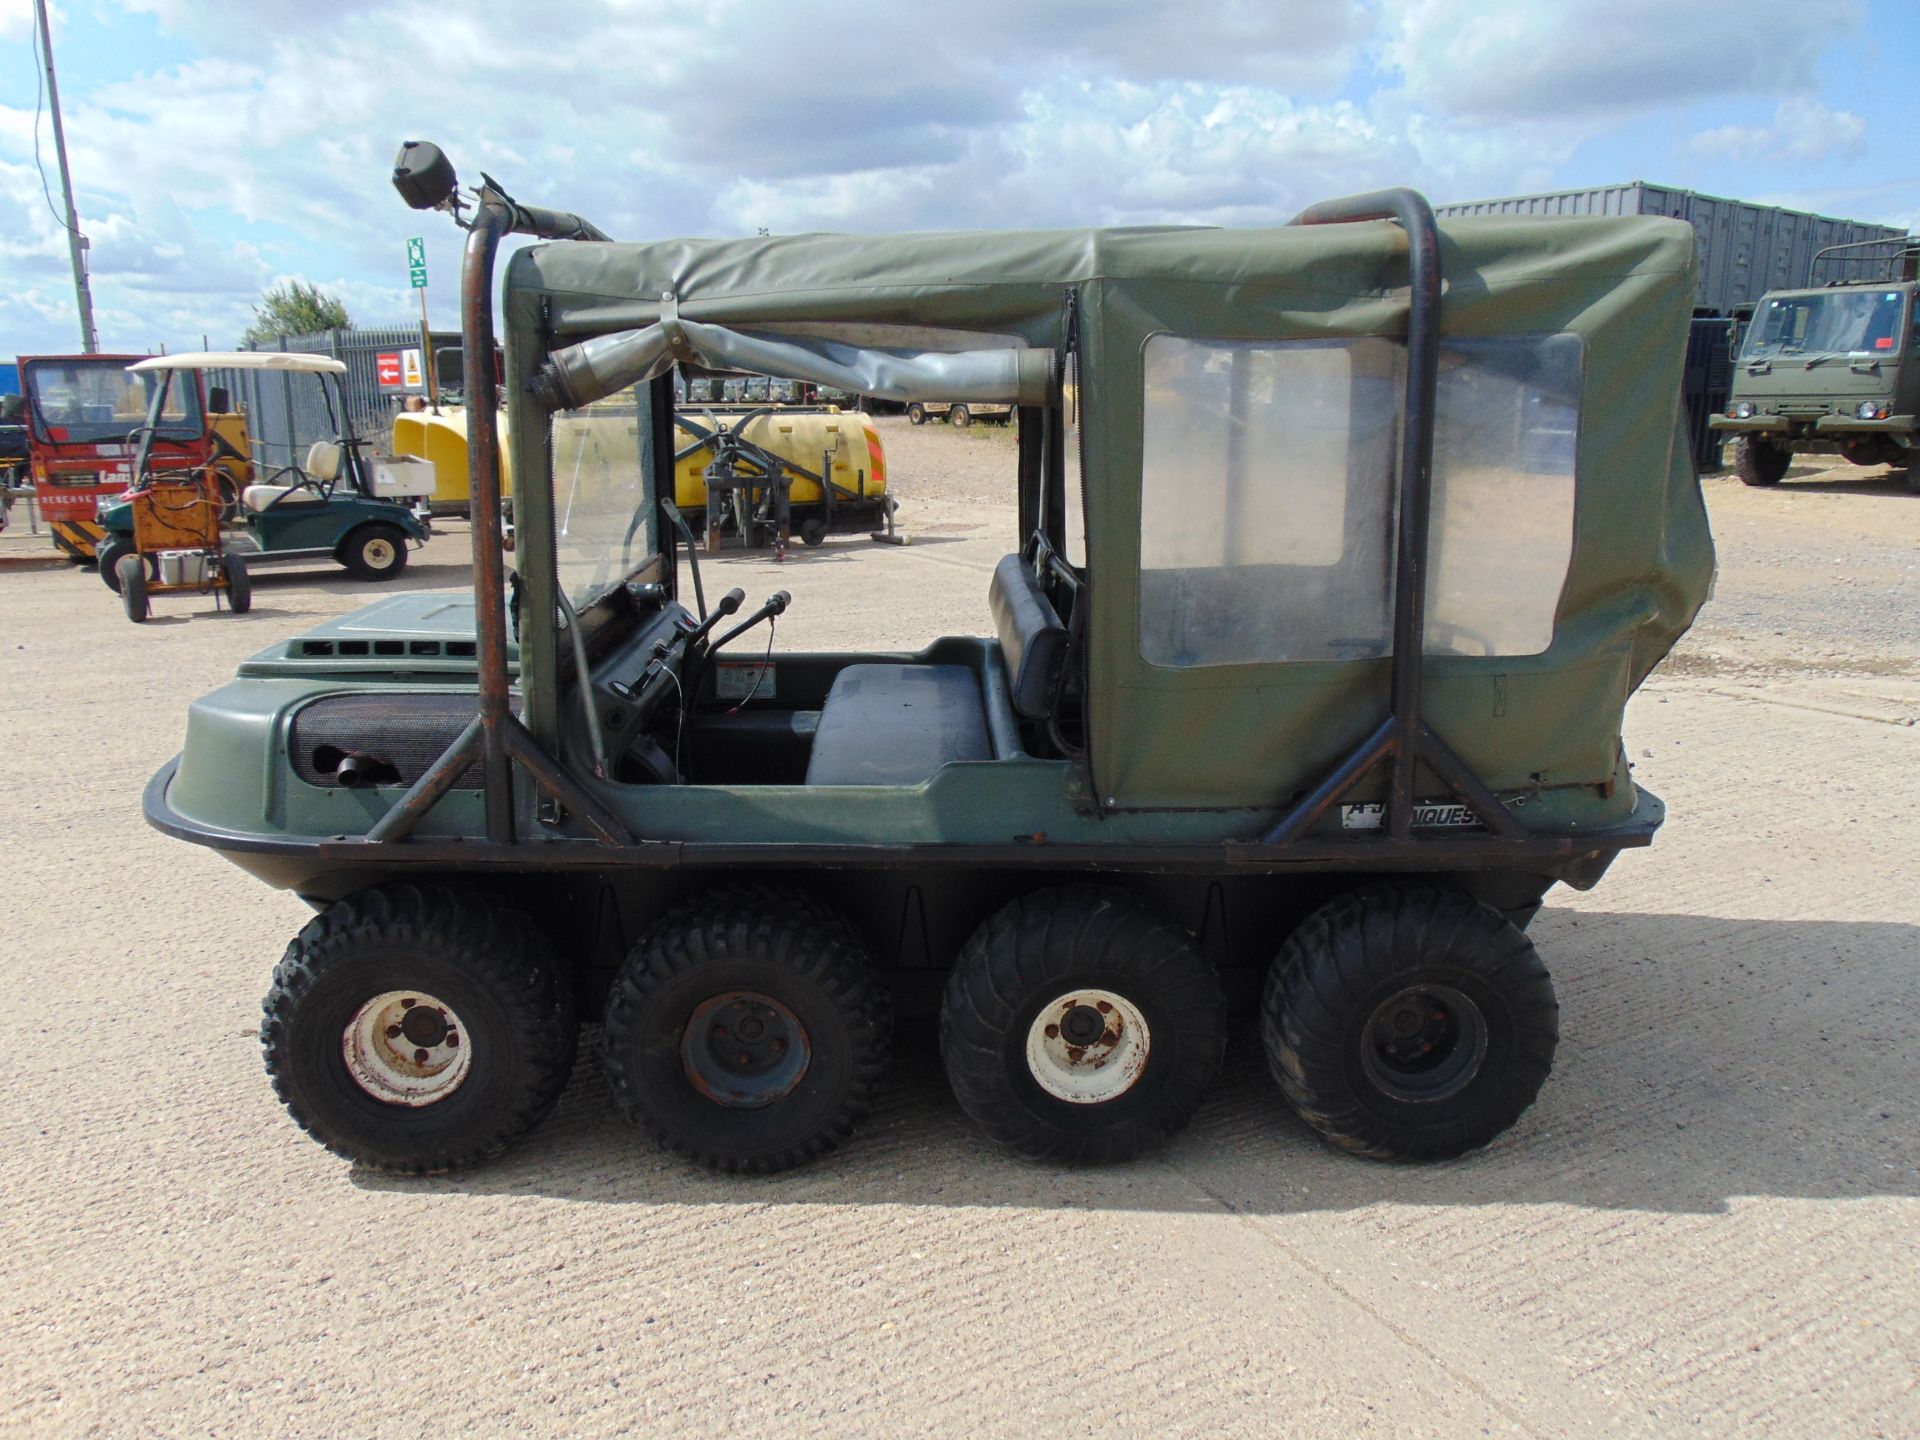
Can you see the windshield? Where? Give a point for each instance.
(602, 500)
(92, 400)
(1828, 322)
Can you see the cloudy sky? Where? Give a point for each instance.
(220, 146)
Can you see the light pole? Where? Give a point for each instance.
(76, 242)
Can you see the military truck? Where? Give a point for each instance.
(1324, 705)
(1830, 369)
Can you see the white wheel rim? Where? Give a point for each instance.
(378, 553)
(1072, 1063)
(407, 1048)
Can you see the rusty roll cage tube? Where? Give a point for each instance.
(1402, 737)
(496, 737)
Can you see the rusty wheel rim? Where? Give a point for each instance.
(1088, 1046)
(407, 1048)
(744, 1050)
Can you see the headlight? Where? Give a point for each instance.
(1872, 410)
(1742, 411)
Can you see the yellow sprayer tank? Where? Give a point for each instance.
(844, 438)
(442, 439)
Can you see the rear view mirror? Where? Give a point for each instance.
(219, 402)
(423, 175)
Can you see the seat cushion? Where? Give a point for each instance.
(1032, 639)
(897, 724)
(258, 497)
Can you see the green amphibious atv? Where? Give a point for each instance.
(1302, 714)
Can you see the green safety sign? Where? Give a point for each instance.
(417, 261)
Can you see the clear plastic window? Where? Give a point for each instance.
(603, 504)
(1267, 510)
(1264, 520)
(1500, 537)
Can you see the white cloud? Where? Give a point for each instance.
(1803, 132)
(266, 155)
(1505, 60)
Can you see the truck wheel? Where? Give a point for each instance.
(107, 557)
(813, 532)
(1760, 462)
(917, 414)
(132, 573)
(960, 415)
(417, 1029)
(1409, 1022)
(374, 552)
(746, 1034)
(239, 583)
(1079, 1025)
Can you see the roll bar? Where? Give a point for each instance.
(1403, 737)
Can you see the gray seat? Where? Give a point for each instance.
(1032, 639)
(897, 724)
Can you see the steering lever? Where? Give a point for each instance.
(723, 607)
(776, 604)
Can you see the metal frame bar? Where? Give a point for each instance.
(1403, 739)
(495, 737)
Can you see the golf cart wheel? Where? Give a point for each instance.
(1409, 1022)
(418, 1029)
(107, 557)
(1760, 462)
(239, 583)
(131, 571)
(917, 414)
(374, 552)
(747, 1032)
(1079, 1025)
(960, 415)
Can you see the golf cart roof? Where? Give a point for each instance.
(244, 360)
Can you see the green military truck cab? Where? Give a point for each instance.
(1300, 717)
(1834, 369)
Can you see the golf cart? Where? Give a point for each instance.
(1303, 719)
(336, 505)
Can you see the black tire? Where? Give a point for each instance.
(960, 415)
(1409, 1022)
(374, 552)
(239, 583)
(813, 532)
(756, 956)
(486, 965)
(917, 414)
(107, 557)
(1760, 462)
(1062, 947)
(132, 573)
(229, 490)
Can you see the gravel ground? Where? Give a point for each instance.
(1706, 1225)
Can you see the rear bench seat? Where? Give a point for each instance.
(897, 724)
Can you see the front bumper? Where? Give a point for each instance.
(1828, 426)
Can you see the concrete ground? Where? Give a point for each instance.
(1707, 1224)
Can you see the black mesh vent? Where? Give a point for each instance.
(407, 732)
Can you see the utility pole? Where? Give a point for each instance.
(76, 242)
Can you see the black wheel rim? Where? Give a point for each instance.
(1424, 1043)
(744, 1050)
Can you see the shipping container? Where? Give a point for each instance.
(1744, 250)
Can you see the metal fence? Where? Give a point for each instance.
(287, 412)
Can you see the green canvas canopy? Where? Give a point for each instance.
(1235, 392)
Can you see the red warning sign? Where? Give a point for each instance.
(388, 367)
